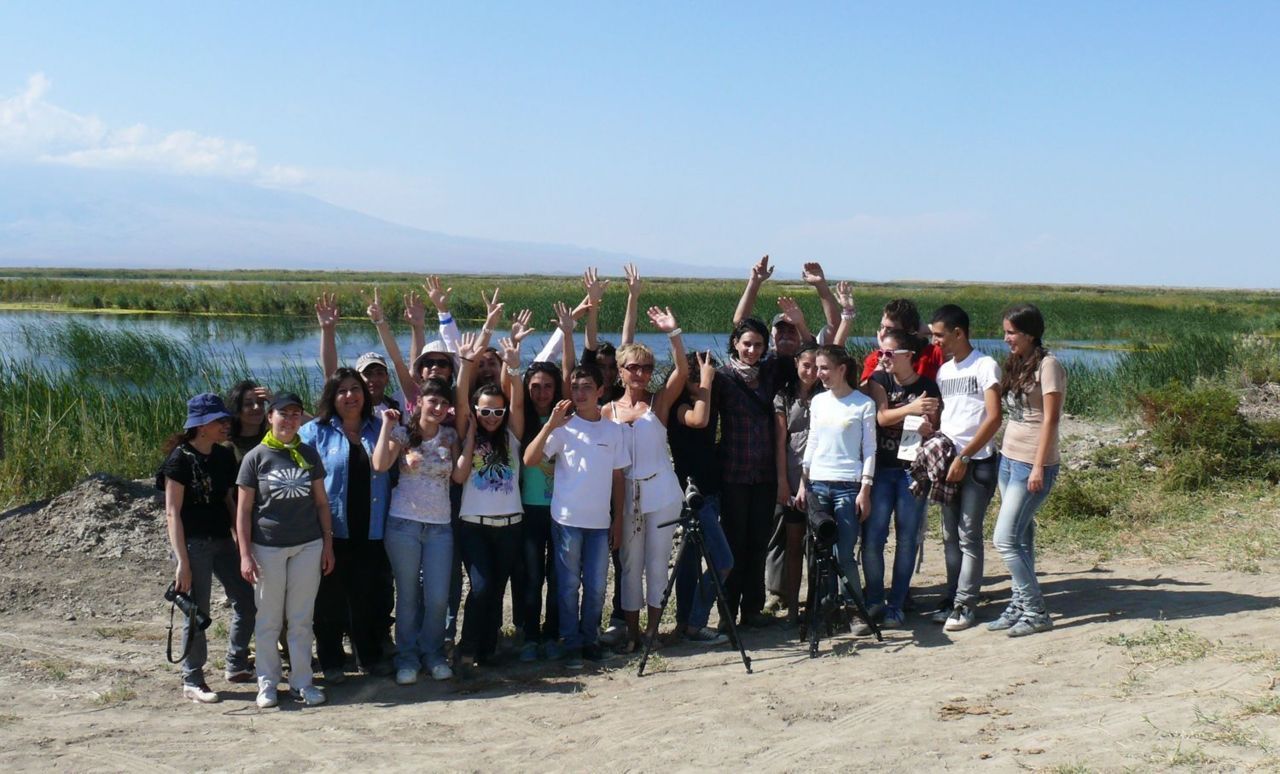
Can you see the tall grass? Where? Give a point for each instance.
(1073, 313)
(104, 401)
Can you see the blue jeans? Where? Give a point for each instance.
(840, 498)
(891, 496)
(695, 589)
(490, 553)
(211, 558)
(582, 562)
(421, 560)
(962, 531)
(1015, 535)
(539, 566)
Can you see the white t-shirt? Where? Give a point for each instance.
(493, 488)
(842, 437)
(585, 455)
(963, 386)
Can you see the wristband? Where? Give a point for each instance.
(512, 370)
(466, 359)
(848, 314)
(445, 317)
(380, 322)
(487, 331)
(675, 333)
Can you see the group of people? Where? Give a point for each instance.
(358, 517)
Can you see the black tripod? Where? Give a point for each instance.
(691, 534)
(825, 606)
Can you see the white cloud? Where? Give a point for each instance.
(33, 129)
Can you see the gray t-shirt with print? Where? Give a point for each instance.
(284, 513)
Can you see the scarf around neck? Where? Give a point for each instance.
(748, 373)
(271, 442)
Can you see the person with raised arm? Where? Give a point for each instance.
(285, 536)
(1032, 388)
(344, 433)
(791, 413)
(603, 353)
(489, 531)
(691, 433)
(787, 332)
(589, 456)
(372, 366)
(970, 385)
(419, 532)
(899, 393)
(198, 478)
(654, 496)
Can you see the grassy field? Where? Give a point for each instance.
(1139, 315)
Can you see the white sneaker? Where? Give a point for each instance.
(962, 617)
(406, 676)
(200, 694)
(311, 696)
(441, 672)
(267, 695)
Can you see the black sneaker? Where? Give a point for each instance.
(596, 653)
(942, 613)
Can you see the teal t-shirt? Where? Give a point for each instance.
(536, 480)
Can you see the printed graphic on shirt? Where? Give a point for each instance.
(288, 484)
(960, 385)
(1015, 406)
(489, 471)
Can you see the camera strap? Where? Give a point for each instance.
(186, 646)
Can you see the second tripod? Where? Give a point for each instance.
(691, 535)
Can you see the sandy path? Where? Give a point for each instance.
(920, 699)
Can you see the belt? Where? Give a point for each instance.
(493, 521)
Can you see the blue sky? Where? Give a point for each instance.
(1112, 142)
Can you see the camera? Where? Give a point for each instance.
(823, 525)
(693, 496)
(188, 607)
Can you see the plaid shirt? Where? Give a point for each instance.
(746, 421)
(930, 467)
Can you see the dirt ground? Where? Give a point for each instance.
(1149, 667)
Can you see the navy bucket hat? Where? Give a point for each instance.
(205, 408)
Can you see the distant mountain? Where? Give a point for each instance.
(65, 216)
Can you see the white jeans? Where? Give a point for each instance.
(288, 578)
(646, 554)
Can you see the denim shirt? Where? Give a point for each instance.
(331, 442)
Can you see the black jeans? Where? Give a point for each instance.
(490, 554)
(539, 566)
(350, 601)
(747, 517)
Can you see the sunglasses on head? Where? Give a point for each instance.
(491, 412)
(639, 368)
(892, 352)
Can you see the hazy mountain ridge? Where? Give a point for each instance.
(66, 216)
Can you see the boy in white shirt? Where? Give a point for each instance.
(589, 455)
(970, 386)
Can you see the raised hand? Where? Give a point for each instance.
(633, 279)
(374, 309)
(844, 294)
(706, 369)
(594, 285)
(493, 307)
(390, 418)
(812, 274)
(327, 310)
(468, 345)
(510, 353)
(662, 319)
(791, 311)
(560, 414)
(761, 271)
(414, 311)
(438, 297)
(564, 317)
(520, 327)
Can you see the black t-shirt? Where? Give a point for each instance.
(359, 492)
(206, 479)
(693, 451)
(887, 438)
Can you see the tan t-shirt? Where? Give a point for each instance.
(1025, 411)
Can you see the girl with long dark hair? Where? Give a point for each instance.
(1032, 389)
(543, 388)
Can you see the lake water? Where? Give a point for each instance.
(266, 341)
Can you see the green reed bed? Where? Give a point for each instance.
(99, 401)
(1073, 313)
